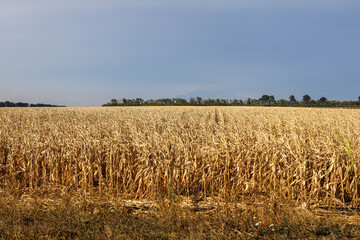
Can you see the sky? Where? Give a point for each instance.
(86, 52)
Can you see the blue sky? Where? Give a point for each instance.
(84, 53)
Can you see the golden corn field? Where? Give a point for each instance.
(309, 155)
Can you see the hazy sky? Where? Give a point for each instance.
(86, 52)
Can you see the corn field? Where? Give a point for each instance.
(143, 152)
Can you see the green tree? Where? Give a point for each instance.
(9, 104)
(223, 102)
(264, 100)
(292, 99)
(114, 102)
(235, 102)
(323, 100)
(306, 99)
(21, 104)
(282, 102)
(209, 102)
(272, 99)
(139, 101)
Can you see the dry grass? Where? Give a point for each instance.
(213, 154)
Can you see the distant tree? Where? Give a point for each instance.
(264, 99)
(180, 101)
(198, 101)
(306, 99)
(282, 102)
(292, 99)
(192, 101)
(254, 102)
(272, 99)
(223, 102)
(9, 104)
(114, 102)
(235, 102)
(166, 101)
(149, 102)
(322, 100)
(267, 100)
(21, 104)
(210, 102)
(139, 101)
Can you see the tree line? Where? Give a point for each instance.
(264, 100)
(21, 104)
